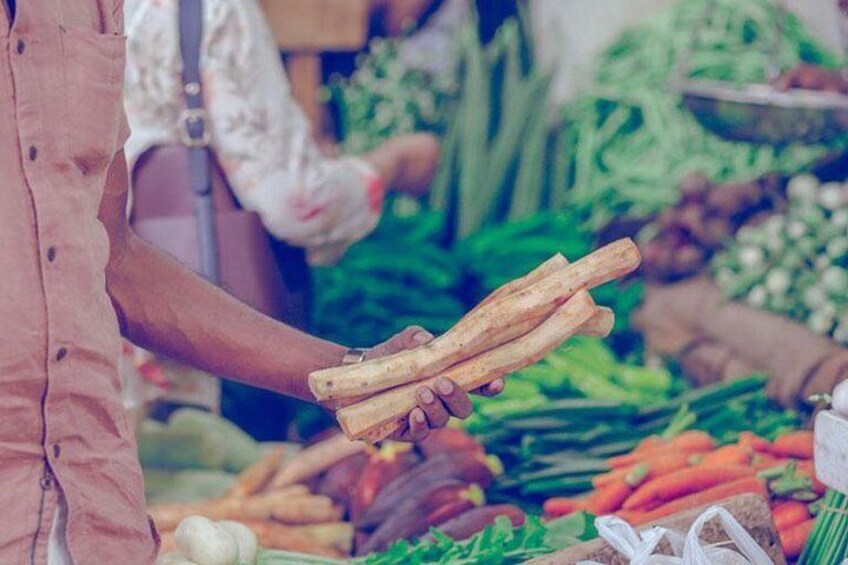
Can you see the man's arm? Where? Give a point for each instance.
(164, 307)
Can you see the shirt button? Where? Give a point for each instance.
(20, 47)
(56, 450)
(46, 483)
(33, 153)
(51, 254)
(62, 353)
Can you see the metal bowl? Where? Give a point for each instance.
(758, 113)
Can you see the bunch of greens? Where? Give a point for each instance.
(795, 263)
(396, 278)
(630, 140)
(554, 446)
(497, 151)
(384, 98)
(498, 544)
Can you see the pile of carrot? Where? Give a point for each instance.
(662, 477)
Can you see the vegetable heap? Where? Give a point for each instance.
(385, 98)
(498, 544)
(396, 278)
(514, 327)
(558, 446)
(662, 477)
(495, 155)
(686, 236)
(631, 140)
(795, 263)
(337, 497)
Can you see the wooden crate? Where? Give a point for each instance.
(318, 25)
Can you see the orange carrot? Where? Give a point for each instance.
(794, 444)
(631, 516)
(708, 496)
(729, 454)
(649, 443)
(635, 475)
(794, 538)
(688, 481)
(608, 499)
(688, 442)
(754, 442)
(560, 506)
(789, 513)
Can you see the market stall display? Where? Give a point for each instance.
(338, 497)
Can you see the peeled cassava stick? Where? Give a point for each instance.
(599, 325)
(381, 415)
(490, 326)
(549, 267)
(315, 459)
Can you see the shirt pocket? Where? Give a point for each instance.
(93, 76)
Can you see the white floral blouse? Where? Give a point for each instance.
(259, 133)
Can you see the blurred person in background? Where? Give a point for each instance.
(315, 203)
(810, 77)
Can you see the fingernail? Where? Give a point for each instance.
(419, 417)
(444, 386)
(426, 396)
(422, 337)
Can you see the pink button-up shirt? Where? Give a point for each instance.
(62, 425)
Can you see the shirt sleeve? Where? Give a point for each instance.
(264, 144)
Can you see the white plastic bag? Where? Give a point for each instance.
(639, 547)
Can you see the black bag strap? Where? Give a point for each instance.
(196, 136)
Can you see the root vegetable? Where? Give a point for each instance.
(248, 545)
(671, 487)
(206, 543)
(314, 460)
(272, 535)
(338, 535)
(255, 477)
(305, 511)
(378, 417)
(490, 326)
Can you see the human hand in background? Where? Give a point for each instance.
(811, 77)
(407, 163)
(436, 405)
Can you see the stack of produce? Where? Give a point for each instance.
(660, 478)
(499, 544)
(396, 278)
(195, 456)
(400, 492)
(560, 446)
(338, 493)
(514, 327)
(795, 264)
(385, 98)
(687, 235)
(584, 367)
(275, 502)
(632, 141)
